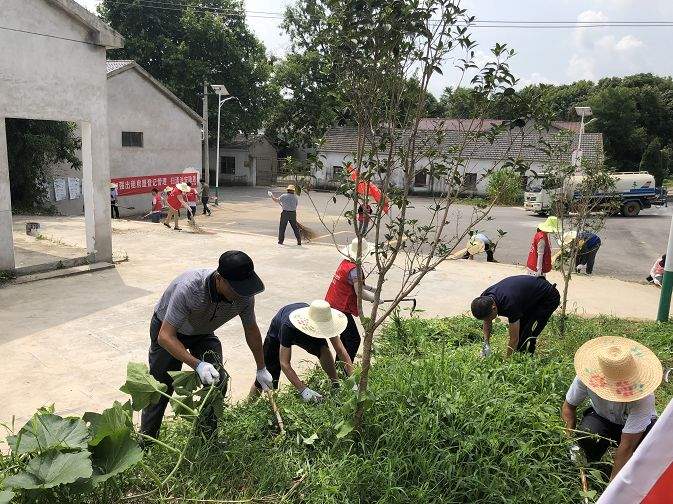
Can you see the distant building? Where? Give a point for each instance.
(245, 160)
(483, 156)
(153, 138)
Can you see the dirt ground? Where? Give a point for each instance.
(67, 340)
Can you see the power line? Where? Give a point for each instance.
(46, 35)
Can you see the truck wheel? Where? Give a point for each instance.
(630, 209)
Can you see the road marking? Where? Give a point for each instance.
(325, 236)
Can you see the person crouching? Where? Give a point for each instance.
(308, 327)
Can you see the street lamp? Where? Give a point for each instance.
(582, 112)
(221, 92)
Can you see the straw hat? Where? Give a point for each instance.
(475, 246)
(551, 225)
(618, 369)
(168, 189)
(183, 187)
(351, 250)
(319, 320)
(568, 237)
(113, 185)
(291, 188)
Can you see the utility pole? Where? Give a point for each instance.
(667, 282)
(206, 147)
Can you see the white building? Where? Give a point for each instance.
(483, 157)
(152, 135)
(52, 67)
(245, 160)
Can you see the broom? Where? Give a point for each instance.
(307, 234)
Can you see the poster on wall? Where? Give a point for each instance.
(74, 188)
(127, 186)
(59, 189)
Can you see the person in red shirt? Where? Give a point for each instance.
(157, 211)
(342, 294)
(539, 256)
(176, 200)
(192, 196)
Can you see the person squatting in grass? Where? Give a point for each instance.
(182, 329)
(619, 377)
(288, 202)
(526, 301)
(308, 327)
(342, 294)
(588, 246)
(191, 197)
(477, 244)
(176, 200)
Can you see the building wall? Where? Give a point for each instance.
(171, 138)
(61, 76)
(243, 165)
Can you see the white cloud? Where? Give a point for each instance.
(590, 16)
(628, 43)
(534, 78)
(581, 67)
(582, 35)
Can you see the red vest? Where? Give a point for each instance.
(532, 255)
(173, 200)
(341, 293)
(191, 196)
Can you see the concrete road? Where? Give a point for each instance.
(630, 245)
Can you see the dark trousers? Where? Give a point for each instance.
(350, 337)
(204, 202)
(161, 362)
(114, 211)
(272, 356)
(532, 324)
(193, 210)
(588, 258)
(291, 217)
(610, 433)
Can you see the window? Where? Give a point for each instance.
(227, 165)
(132, 138)
(421, 179)
(470, 182)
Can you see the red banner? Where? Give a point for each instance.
(127, 186)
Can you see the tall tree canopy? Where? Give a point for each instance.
(193, 41)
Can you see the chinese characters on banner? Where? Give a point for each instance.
(128, 186)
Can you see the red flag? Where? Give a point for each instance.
(367, 188)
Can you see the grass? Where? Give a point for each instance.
(442, 425)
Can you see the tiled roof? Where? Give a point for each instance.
(453, 124)
(527, 145)
(112, 65)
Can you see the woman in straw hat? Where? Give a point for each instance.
(177, 199)
(288, 202)
(619, 377)
(343, 291)
(308, 327)
(114, 201)
(539, 255)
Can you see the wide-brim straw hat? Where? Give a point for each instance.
(568, 236)
(351, 250)
(475, 246)
(319, 320)
(551, 225)
(183, 187)
(618, 369)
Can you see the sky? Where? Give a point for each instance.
(542, 55)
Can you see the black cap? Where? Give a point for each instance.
(237, 268)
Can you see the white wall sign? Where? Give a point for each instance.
(74, 188)
(59, 189)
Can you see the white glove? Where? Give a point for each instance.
(309, 395)
(270, 194)
(207, 373)
(485, 350)
(264, 378)
(574, 451)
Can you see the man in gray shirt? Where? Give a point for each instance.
(288, 202)
(185, 318)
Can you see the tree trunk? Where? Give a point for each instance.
(364, 377)
(564, 304)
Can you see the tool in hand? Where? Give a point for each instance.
(574, 454)
(274, 407)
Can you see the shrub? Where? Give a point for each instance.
(505, 185)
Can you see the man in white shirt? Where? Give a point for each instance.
(619, 377)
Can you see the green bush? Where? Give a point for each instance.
(506, 186)
(442, 425)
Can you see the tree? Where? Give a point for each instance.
(656, 161)
(32, 148)
(376, 47)
(193, 41)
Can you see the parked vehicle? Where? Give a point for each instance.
(632, 192)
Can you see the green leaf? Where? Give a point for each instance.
(52, 469)
(310, 440)
(114, 455)
(46, 431)
(184, 382)
(143, 388)
(344, 428)
(6, 496)
(179, 409)
(111, 421)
